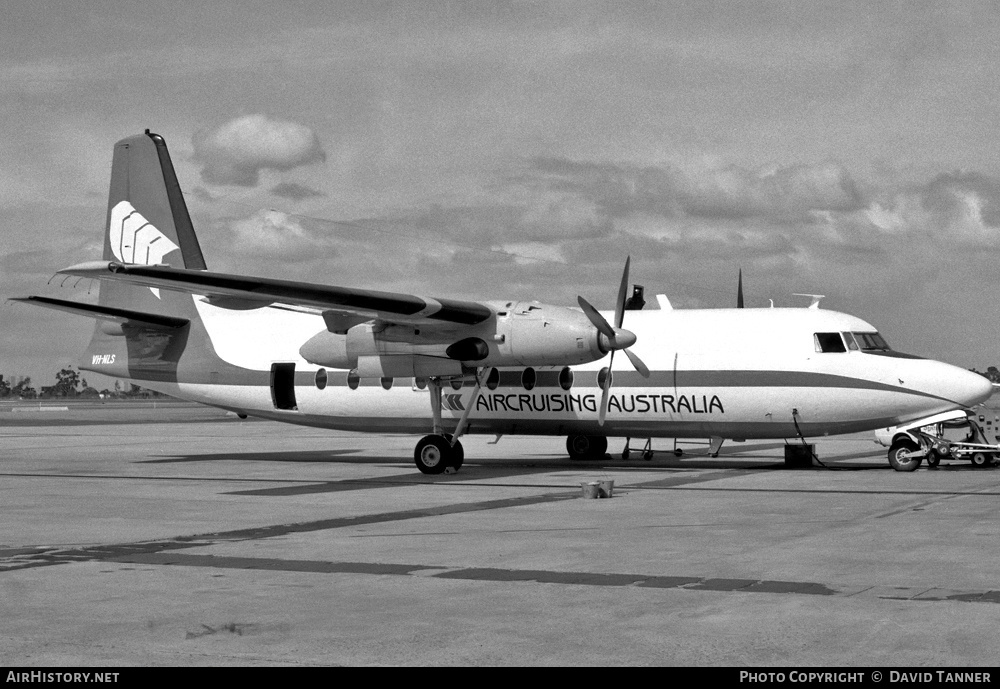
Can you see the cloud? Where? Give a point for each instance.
(730, 192)
(296, 192)
(270, 230)
(236, 152)
(956, 208)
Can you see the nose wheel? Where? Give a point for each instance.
(435, 454)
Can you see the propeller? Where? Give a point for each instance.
(613, 338)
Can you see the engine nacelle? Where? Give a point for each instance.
(379, 350)
(533, 334)
(518, 334)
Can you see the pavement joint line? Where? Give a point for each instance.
(107, 552)
(731, 489)
(523, 576)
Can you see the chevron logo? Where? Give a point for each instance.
(454, 402)
(134, 239)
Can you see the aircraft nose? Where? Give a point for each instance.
(966, 387)
(980, 389)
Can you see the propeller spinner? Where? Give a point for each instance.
(613, 338)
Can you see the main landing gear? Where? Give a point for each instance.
(586, 446)
(441, 453)
(435, 454)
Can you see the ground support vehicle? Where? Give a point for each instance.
(956, 435)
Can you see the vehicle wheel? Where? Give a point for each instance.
(625, 455)
(586, 446)
(980, 459)
(899, 462)
(647, 455)
(933, 459)
(678, 452)
(433, 454)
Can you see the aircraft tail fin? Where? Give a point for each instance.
(148, 224)
(148, 220)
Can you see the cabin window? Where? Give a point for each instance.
(420, 383)
(602, 375)
(872, 342)
(566, 378)
(456, 384)
(321, 379)
(387, 383)
(528, 378)
(353, 379)
(829, 342)
(493, 380)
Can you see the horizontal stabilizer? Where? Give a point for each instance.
(368, 303)
(106, 313)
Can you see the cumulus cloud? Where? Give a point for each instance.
(236, 152)
(270, 230)
(780, 195)
(960, 208)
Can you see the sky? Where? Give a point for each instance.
(521, 150)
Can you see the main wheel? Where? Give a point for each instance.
(434, 454)
(586, 446)
(898, 461)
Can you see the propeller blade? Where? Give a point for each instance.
(622, 295)
(596, 318)
(614, 338)
(607, 390)
(637, 362)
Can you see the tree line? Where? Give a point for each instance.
(69, 383)
(992, 373)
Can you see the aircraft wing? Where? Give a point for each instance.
(339, 304)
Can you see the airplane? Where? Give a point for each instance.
(365, 360)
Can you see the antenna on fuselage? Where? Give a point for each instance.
(815, 299)
(739, 291)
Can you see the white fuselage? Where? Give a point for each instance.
(729, 373)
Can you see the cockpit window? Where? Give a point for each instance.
(851, 342)
(871, 342)
(828, 342)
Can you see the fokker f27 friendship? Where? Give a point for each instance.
(365, 360)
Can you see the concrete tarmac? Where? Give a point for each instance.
(184, 536)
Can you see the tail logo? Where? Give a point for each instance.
(134, 239)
